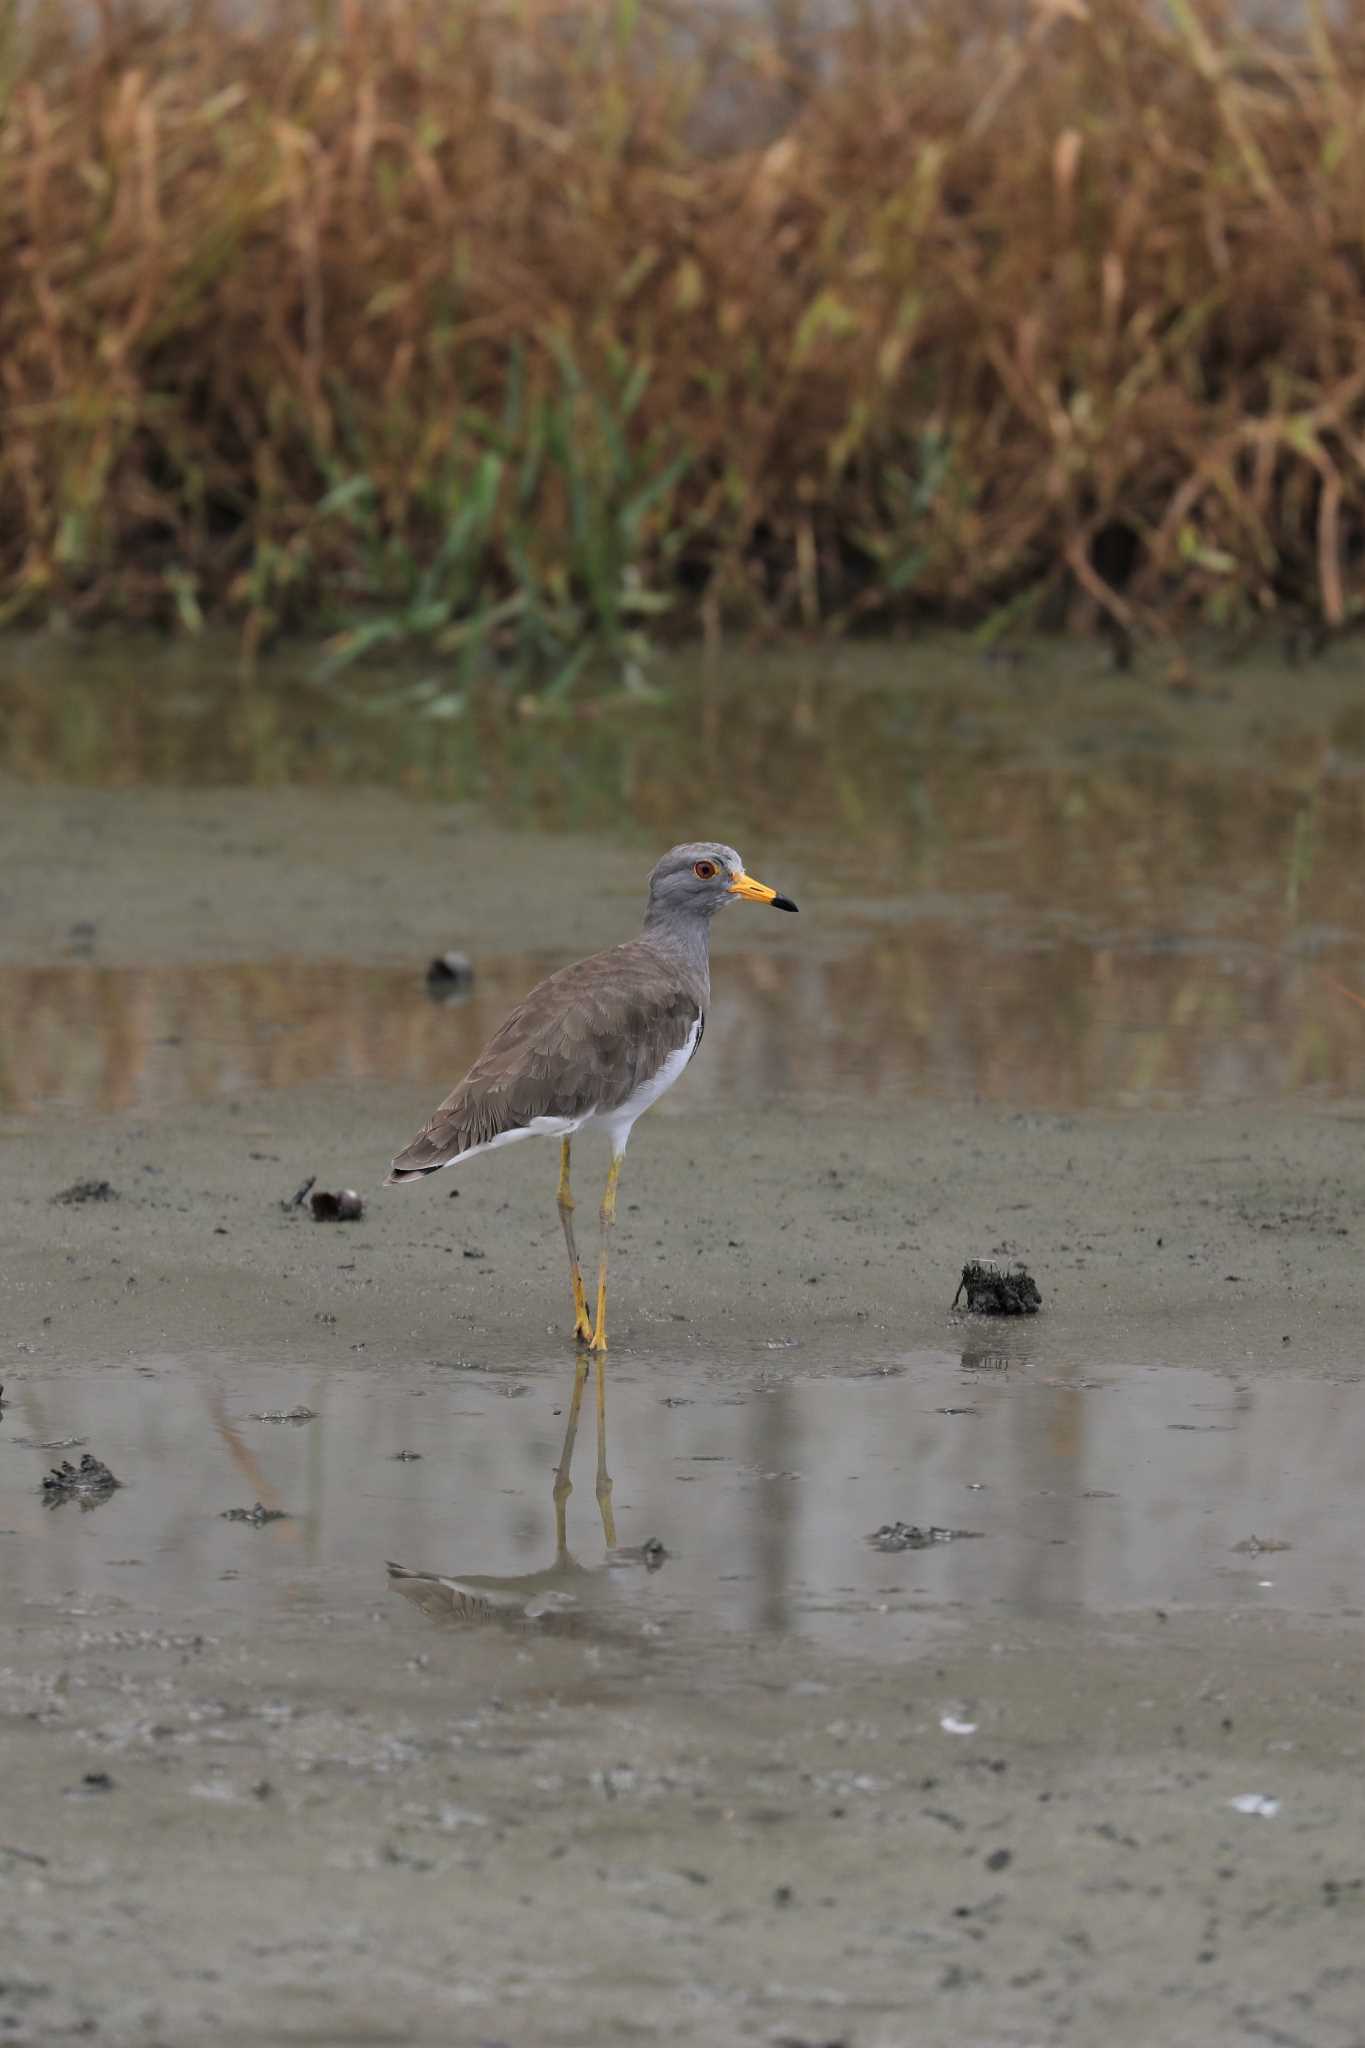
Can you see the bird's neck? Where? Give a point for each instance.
(686, 943)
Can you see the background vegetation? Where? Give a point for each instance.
(527, 332)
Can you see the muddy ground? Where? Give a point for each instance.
(255, 1795)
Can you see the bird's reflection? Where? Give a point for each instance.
(564, 1597)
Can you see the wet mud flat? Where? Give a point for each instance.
(711, 1766)
(780, 1786)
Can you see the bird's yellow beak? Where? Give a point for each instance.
(751, 891)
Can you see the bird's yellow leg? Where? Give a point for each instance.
(604, 1506)
(599, 1335)
(563, 1485)
(582, 1328)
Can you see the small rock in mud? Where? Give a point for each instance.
(449, 975)
(909, 1536)
(1254, 1546)
(284, 1415)
(90, 1482)
(345, 1206)
(299, 1196)
(258, 1515)
(995, 1290)
(86, 1191)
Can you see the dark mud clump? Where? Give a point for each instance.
(86, 1191)
(909, 1536)
(90, 1482)
(995, 1290)
(257, 1515)
(449, 977)
(345, 1206)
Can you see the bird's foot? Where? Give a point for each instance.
(582, 1331)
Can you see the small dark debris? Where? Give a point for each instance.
(299, 1414)
(909, 1536)
(344, 1207)
(959, 1411)
(90, 1482)
(995, 1290)
(258, 1515)
(450, 974)
(783, 1895)
(299, 1196)
(472, 1252)
(98, 1781)
(653, 1553)
(1000, 1859)
(985, 1361)
(405, 1457)
(87, 1191)
(1255, 1546)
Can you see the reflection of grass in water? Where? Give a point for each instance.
(943, 1009)
(1302, 850)
(888, 770)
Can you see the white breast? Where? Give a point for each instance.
(619, 1121)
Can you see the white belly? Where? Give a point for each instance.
(618, 1121)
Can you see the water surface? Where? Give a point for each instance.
(1136, 1489)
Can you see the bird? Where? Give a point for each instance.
(596, 1043)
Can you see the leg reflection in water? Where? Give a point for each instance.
(563, 1485)
(564, 1592)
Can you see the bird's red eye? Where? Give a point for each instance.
(704, 870)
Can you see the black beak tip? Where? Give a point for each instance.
(783, 903)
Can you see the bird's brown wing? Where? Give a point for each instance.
(584, 1039)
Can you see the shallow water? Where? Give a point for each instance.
(946, 1009)
(1147, 1488)
(1040, 885)
(1036, 887)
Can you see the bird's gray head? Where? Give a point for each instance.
(700, 879)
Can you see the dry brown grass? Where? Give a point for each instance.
(495, 324)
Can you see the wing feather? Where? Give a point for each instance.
(584, 1039)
